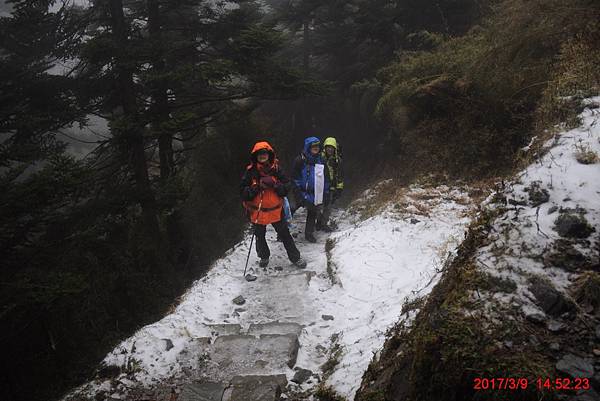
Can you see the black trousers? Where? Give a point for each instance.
(262, 249)
(313, 217)
(323, 219)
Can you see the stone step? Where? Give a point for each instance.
(256, 388)
(275, 328)
(278, 297)
(224, 329)
(198, 391)
(240, 388)
(250, 355)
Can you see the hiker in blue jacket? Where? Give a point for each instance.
(311, 181)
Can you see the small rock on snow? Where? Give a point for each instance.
(327, 317)
(251, 277)
(168, 344)
(575, 366)
(302, 375)
(239, 300)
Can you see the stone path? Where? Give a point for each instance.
(251, 364)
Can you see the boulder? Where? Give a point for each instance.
(535, 317)
(574, 366)
(552, 301)
(302, 375)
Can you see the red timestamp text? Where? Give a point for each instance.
(523, 383)
(500, 383)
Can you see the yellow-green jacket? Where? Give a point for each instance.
(334, 165)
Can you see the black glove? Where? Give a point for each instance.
(251, 192)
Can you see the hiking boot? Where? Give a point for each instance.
(310, 238)
(264, 262)
(300, 263)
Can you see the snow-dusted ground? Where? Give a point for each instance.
(524, 235)
(379, 263)
(374, 265)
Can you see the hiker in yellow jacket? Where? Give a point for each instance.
(333, 161)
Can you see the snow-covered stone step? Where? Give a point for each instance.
(198, 391)
(278, 297)
(240, 388)
(255, 388)
(255, 329)
(249, 355)
(275, 328)
(224, 329)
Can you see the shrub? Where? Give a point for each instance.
(468, 104)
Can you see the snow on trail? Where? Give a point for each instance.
(374, 265)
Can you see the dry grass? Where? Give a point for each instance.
(586, 290)
(378, 198)
(327, 393)
(585, 155)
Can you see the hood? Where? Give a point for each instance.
(263, 146)
(331, 141)
(308, 142)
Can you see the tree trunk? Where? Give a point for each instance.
(131, 129)
(160, 105)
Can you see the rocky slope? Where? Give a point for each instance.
(521, 299)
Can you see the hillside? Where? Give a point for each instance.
(521, 299)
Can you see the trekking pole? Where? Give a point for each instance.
(252, 238)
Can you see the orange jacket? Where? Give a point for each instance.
(263, 204)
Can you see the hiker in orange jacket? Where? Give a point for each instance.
(263, 187)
